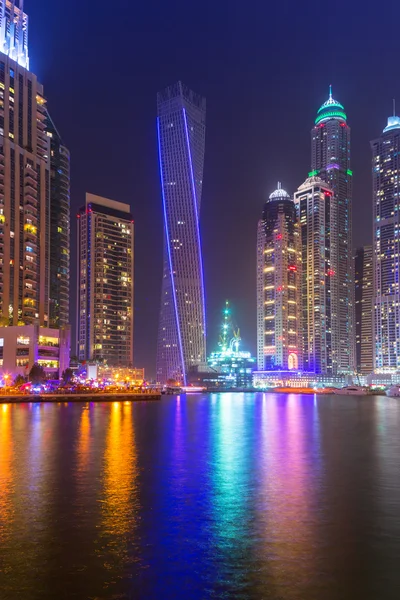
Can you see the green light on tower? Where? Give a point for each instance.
(349, 172)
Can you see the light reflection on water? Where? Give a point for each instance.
(221, 496)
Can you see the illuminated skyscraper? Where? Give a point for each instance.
(59, 227)
(278, 285)
(317, 212)
(105, 282)
(330, 160)
(24, 179)
(181, 138)
(363, 284)
(386, 245)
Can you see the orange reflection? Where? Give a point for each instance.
(84, 440)
(120, 503)
(6, 471)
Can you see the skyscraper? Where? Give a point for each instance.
(278, 285)
(181, 138)
(363, 284)
(317, 212)
(24, 179)
(59, 227)
(386, 245)
(330, 160)
(105, 282)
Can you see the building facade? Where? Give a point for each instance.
(59, 227)
(386, 246)
(24, 179)
(330, 160)
(278, 285)
(316, 208)
(24, 345)
(105, 282)
(363, 285)
(181, 139)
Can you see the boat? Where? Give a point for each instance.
(393, 391)
(352, 390)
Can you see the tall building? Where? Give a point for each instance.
(363, 285)
(105, 282)
(330, 160)
(25, 333)
(24, 179)
(181, 138)
(317, 212)
(278, 285)
(59, 227)
(386, 245)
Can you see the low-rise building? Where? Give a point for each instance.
(24, 345)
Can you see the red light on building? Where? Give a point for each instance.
(279, 288)
(330, 272)
(292, 268)
(279, 236)
(327, 193)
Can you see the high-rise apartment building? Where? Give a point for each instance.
(278, 285)
(317, 213)
(330, 160)
(386, 245)
(24, 179)
(59, 227)
(363, 285)
(181, 139)
(105, 282)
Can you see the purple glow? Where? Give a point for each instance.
(332, 166)
(197, 220)
(169, 252)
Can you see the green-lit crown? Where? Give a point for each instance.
(331, 109)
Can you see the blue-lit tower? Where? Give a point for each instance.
(181, 139)
(330, 160)
(386, 245)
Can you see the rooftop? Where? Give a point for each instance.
(331, 109)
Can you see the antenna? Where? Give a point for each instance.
(279, 185)
(394, 107)
(330, 92)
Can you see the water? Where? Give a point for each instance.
(220, 496)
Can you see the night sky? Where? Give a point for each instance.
(263, 66)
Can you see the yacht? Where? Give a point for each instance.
(393, 391)
(352, 390)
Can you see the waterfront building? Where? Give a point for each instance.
(24, 179)
(182, 327)
(59, 227)
(386, 246)
(330, 160)
(363, 283)
(24, 345)
(278, 285)
(317, 213)
(105, 282)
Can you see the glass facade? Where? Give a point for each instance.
(105, 282)
(181, 139)
(317, 213)
(278, 285)
(24, 180)
(386, 246)
(59, 227)
(363, 284)
(330, 160)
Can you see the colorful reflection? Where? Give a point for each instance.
(289, 471)
(6, 470)
(120, 503)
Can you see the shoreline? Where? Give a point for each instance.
(55, 398)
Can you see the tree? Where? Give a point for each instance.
(19, 380)
(67, 375)
(37, 374)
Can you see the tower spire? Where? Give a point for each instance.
(394, 107)
(330, 92)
